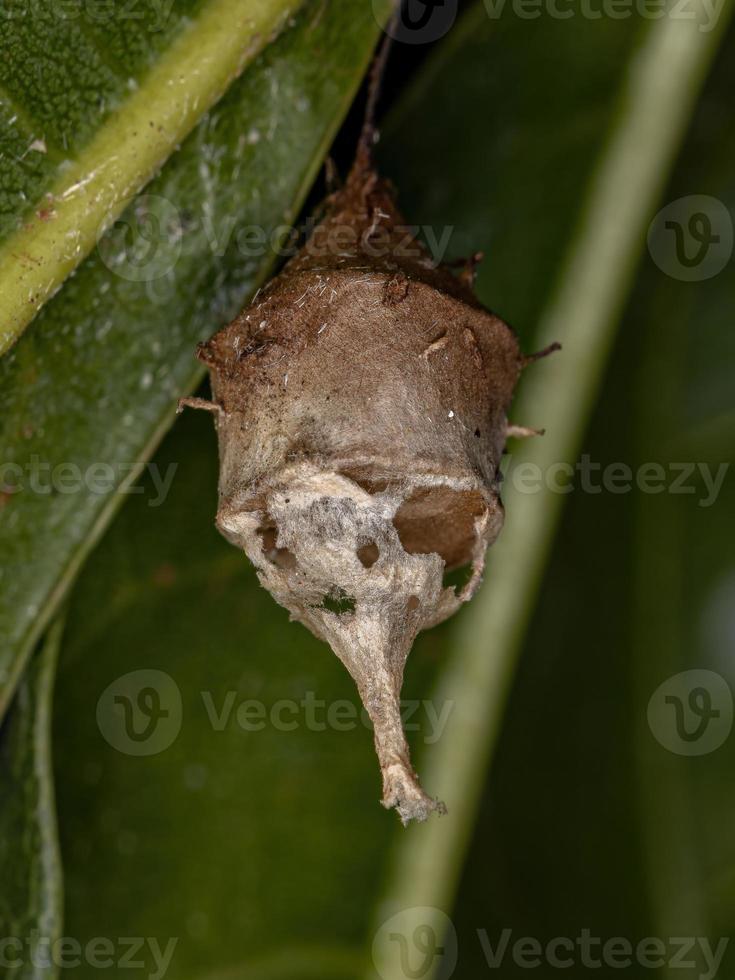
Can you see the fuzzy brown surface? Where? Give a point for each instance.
(361, 407)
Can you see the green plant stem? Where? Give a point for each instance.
(655, 106)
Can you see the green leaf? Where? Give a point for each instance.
(31, 896)
(87, 393)
(123, 85)
(617, 146)
(683, 579)
(587, 820)
(255, 820)
(244, 842)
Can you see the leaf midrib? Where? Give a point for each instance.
(127, 151)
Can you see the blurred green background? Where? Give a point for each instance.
(265, 853)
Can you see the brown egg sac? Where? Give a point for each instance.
(361, 409)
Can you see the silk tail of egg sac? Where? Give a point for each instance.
(361, 409)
